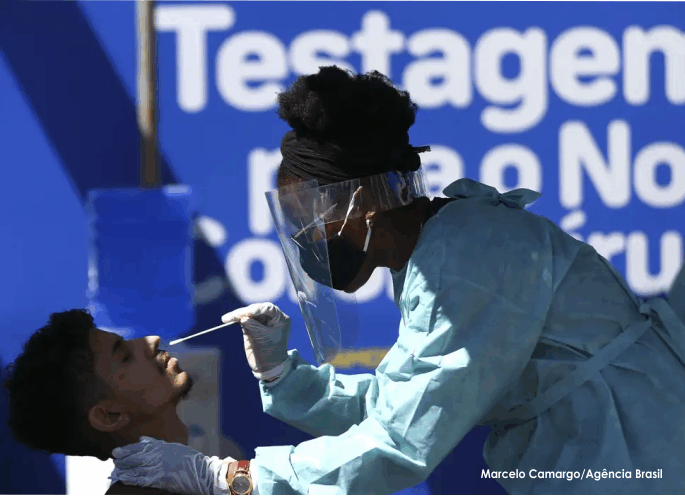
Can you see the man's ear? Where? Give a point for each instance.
(108, 416)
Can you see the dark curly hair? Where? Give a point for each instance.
(53, 384)
(336, 105)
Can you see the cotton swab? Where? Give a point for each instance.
(176, 341)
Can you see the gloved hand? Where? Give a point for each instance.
(265, 334)
(171, 467)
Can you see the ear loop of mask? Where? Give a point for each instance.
(352, 206)
(368, 235)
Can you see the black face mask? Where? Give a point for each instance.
(344, 258)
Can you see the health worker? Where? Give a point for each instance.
(506, 321)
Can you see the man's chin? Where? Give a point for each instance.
(187, 386)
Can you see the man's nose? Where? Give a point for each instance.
(153, 344)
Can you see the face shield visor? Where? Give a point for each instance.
(325, 240)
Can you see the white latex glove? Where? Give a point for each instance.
(172, 467)
(265, 334)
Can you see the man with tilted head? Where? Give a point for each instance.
(81, 391)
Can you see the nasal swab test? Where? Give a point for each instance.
(176, 341)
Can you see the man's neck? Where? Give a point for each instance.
(167, 427)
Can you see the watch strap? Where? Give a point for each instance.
(243, 466)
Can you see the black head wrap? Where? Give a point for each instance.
(331, 162)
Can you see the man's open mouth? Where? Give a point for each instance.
(163, 361)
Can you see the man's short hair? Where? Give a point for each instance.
(53, 384)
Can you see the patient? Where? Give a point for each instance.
(77, 390)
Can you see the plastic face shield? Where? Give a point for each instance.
(324, 238)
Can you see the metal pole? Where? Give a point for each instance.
(150, 173)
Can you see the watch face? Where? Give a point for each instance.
(241, 484)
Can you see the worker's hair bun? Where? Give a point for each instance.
(336, 104)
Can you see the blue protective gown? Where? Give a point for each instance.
(510, 322)
(677, 294)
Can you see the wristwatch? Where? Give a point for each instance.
(238, 477)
